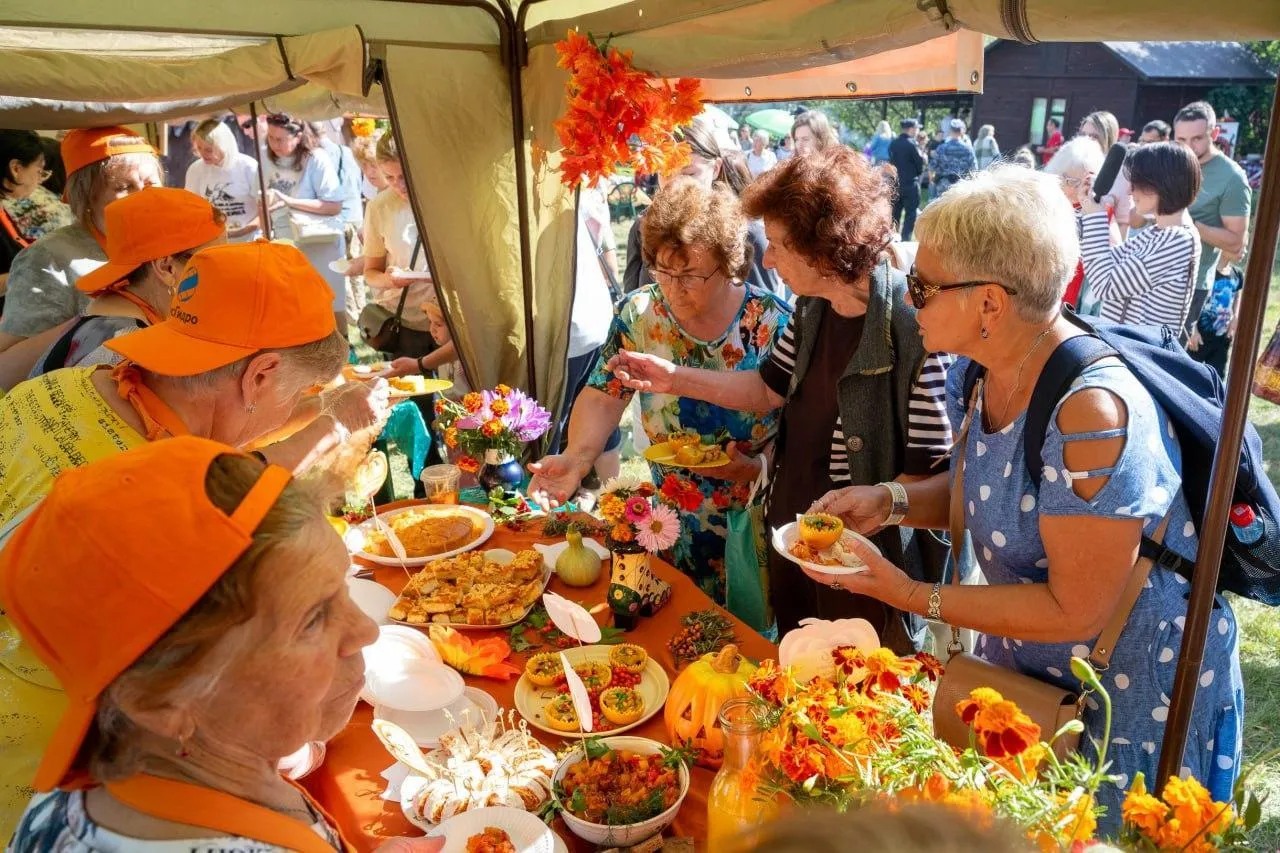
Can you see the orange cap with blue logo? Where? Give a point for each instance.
(233, 301)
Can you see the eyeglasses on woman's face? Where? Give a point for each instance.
(922, 291)
(686, 280)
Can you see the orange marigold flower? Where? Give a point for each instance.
(502, 390)
(493, 428)
(979, 699)
(802, 760)
(622, 533)
(473, 402)
(468, 464)
(612, 507)
(500, 407)
(439, 406)
(930, 665)
(1144, 813)
(918, 696)
(451, 437)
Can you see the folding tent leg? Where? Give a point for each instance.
(1213, 534)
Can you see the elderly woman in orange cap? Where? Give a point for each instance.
(103, 164)
(249, 332)
(150, 237)
(201, 636)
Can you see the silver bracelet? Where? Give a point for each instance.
(899, 504)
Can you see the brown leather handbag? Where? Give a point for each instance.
(1050, 707)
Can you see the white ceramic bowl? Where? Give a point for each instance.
(373, 599)
(631, 834)
(396, 644)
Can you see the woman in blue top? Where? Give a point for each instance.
(878, 147)
(304, 197)
(1056, 557)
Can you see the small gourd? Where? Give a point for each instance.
(692, 713)
(577, 565)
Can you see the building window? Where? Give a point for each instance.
(1042, 109)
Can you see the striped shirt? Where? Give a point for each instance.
(1148, 279)
(928, 427)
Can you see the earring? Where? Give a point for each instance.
(984, 333)
(253, 407)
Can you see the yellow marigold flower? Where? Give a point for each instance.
(1144, 813)
(473, 402)
(502, 390)
(500, 407)
(451, 437)
(612, 507)
(492, 428)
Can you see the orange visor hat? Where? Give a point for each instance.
(152, 223)
(90, 599)
(85, 146)
(232, 302)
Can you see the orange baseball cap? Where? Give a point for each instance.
(232, 302)
(90, 604)
(152, 223)
(88, 145)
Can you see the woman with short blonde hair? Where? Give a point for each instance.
(1057, 550)
(226, 179)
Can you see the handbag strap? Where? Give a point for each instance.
(404, 291)
(1100, 655)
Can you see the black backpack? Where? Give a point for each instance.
(1193, 397)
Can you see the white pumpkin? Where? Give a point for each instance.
(807, 649)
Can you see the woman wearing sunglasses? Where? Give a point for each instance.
(1058, 556)
(862, 401)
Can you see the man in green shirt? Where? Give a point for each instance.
(1221, 210)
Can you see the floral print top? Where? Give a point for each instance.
(38, 214)
(644, 322)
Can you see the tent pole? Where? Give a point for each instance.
(263, 214)
(1213, 532)
(514, 74)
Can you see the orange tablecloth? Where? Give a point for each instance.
(348, 784)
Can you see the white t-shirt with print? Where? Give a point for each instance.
(391, 232)
(231, 188)
(592, 312)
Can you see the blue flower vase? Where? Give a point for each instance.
(500, 470)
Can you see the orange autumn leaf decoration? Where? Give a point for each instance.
(610, 102)
(484, 657)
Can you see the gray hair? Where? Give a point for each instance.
(1079, 154)
(311, 363)
(1026, 215)
(216, 133)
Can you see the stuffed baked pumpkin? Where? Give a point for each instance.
(820, 531)
(693, 704)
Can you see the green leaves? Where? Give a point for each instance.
(595, 748)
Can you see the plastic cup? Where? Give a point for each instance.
(441, 483)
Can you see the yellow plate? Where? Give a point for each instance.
(427, 386)
(664, 454)
(364, 372)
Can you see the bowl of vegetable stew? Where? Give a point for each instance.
(622, 791)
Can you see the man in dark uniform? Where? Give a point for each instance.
(904, 154)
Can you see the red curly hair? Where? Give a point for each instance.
(836, 209)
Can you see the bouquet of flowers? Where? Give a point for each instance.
(631, 515)
(864, 734)
(1186, 818)
(619, 116)
(500, 420)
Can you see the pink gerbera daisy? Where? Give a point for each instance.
(660, 531)
(638, 509)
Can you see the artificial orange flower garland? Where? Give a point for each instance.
(609, 103)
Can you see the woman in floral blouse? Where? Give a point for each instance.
(700, 313)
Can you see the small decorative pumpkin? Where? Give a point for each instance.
(820, 531)
(577, 565)
(693, 704)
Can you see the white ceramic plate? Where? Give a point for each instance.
(501, 556)
(654, 685)
(785, 536)
(373, 599)
(395, 645)
(551, 553)
(413, 275)
(426, 727)
(368, 527)
(527, 832)
(418, 686)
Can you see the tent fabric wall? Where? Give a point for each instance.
(452, 111)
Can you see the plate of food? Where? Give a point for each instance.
(480, 764)
(403, 387)
(427, 533)
(626, 687)
(618, 791)
(820, 542)
(687, 450)
(498, 829)
(364, 372)
(490, 589)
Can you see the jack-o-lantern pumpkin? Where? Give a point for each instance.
(693, 705)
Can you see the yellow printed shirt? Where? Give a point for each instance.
(47, 425)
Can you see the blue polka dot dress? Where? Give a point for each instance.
(1002, 515)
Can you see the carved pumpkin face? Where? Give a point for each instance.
(693, 705)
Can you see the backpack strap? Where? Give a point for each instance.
(1064, 366)
(57, 355)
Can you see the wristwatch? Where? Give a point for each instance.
(898, 507)
(935, 603)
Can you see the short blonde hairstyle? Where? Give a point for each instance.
(1022, 212)
(215, 132)
(1079, 154)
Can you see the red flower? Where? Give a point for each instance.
(720, 499)
(930, 666)
(468, 464)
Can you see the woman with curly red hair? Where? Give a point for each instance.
(863, 402)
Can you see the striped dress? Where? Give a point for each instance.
(1146, 280)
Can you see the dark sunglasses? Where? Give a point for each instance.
(921, 291)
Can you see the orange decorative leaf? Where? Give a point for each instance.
(484, 658)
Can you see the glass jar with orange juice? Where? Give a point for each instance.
(733, 804)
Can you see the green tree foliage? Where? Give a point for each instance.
(1250, 105)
